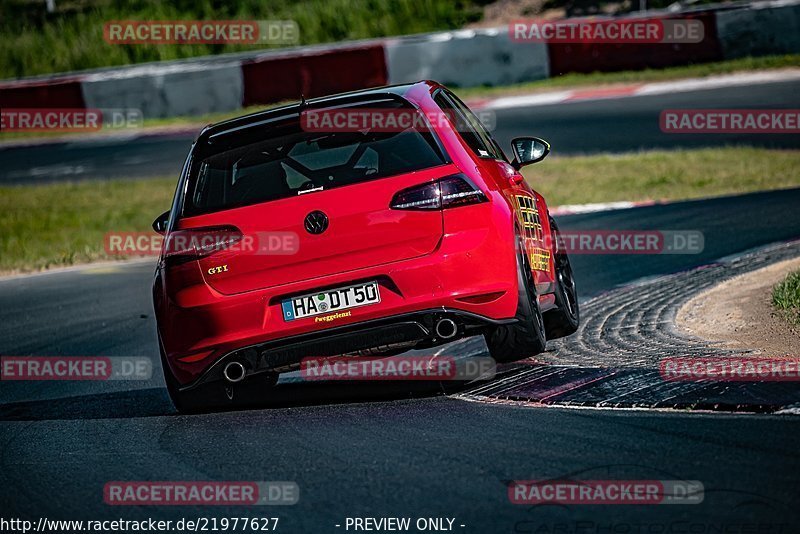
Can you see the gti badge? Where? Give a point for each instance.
(217, 270)
(316, 222)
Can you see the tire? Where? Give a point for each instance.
(565, 318)
(526, 337)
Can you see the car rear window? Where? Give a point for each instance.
(282, 160)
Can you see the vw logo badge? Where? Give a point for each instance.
(316, 222)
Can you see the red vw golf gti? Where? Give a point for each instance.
(308, 231)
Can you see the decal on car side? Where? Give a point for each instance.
(528, 215)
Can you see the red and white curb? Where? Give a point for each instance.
(642, 89)
(114, 137)
(507, 102)
(576, 209)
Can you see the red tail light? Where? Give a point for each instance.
(196, 243)
(449, 192)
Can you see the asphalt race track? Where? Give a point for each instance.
(610, 125)
(389, 450)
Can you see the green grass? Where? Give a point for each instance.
(53, 225)
(656, 175)
(56, 225)
(635, 76)
(786, 297)
(34, 42)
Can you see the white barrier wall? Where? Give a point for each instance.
(772, 28)
(465, 58)
(168, 90)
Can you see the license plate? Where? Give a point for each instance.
(331, 301)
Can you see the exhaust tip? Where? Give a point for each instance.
(446, 328)
(234, 372)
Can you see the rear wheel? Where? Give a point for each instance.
(564, 319)
(526, 337)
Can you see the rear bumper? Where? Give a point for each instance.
(471, 274)
(284, 354)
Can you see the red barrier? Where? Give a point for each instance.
(62, 93)
(274, 79)
(592, 57)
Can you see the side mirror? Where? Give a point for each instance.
(160, 224)
(529, 150)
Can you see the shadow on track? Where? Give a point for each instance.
(154, 402)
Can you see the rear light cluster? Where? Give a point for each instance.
(196, 243)
(448, 192)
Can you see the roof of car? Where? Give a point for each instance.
(389, 91)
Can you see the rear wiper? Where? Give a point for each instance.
(304, 191)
